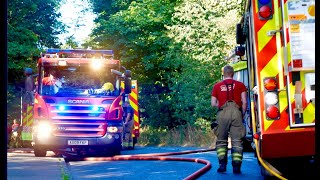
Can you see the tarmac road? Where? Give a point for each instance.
(23, 165)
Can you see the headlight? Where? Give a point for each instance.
(112, 129)
(271, 98)
(43, 129)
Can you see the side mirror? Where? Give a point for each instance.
(240, 38)
(127, 85)
(127, 82)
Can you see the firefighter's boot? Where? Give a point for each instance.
(236, 168)
(222, 167)
(222, 153)
(236, 153)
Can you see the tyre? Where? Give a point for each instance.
(39, 152)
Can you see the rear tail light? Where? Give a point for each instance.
(271, 98)
(265, 9)
(273, 112)
(270, 84)
(256, 136)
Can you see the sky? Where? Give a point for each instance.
(71, 15)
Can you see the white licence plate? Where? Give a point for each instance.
(78, 142)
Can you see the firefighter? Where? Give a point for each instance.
(51, 82)
(29, 86)
(229, 96)
(16, 133)
(128, 125)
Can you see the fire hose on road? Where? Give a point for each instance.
(154, 157)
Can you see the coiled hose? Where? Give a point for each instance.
(152, 157)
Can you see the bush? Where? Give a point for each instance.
(180, 136)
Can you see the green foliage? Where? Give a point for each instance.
(31, 26)
(175, 50)
(13, 103)
(180, 136)
(70, 43)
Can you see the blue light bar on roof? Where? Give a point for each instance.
(79, 51)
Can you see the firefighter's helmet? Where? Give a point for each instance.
(28, 71)
(108, 87)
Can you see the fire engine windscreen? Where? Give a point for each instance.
(66, 81)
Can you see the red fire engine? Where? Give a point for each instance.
(278, 38)
(77, 105)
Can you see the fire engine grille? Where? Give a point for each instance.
(79, 129)
(78, 120)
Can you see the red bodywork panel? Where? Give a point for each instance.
(288, 144)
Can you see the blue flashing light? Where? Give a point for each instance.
(79, 51)
(264, 1)
(61, 108)
(95, 108)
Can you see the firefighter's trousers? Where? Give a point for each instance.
(127, 140)
(229, 119)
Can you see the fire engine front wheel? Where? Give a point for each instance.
(39, 152)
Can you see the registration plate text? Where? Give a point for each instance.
(78, 142)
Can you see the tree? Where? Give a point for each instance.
(175, 50)
(31, 26)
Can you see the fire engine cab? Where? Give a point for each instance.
(77, 105)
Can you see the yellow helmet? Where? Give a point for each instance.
(108, 86)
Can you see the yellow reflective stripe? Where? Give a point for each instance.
(266, 123)
(134, 106)
(134, 95)
(221, 149)
(289, 52)
(283, 102)
(309, 114)
(235, 154)
(263, 38)
(278, 43)
(239, 65)
(236, 159)
(292, 91)
(269, 70)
